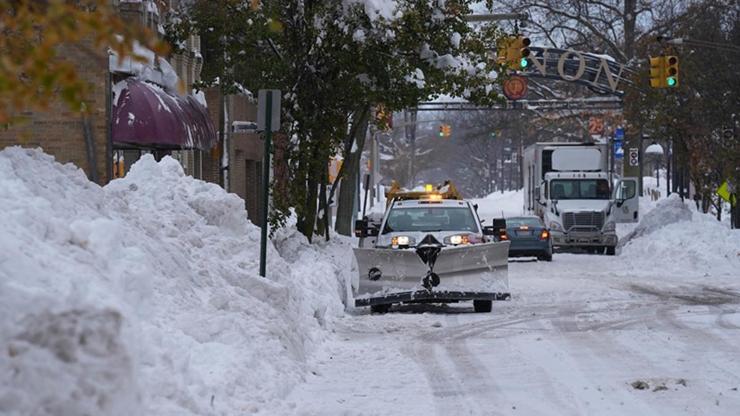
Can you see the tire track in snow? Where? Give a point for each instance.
(471, 372)
(631, 349)
(448, 397)
(585, 349)
(699, 343)
(722, 313)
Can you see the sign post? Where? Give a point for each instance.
(268, 120)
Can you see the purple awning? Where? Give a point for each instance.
(145, 115)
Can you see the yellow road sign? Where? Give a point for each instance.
(724, 193)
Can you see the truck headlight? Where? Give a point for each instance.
(555, 226)
(402, 240)
(610, 226)
(457, 239)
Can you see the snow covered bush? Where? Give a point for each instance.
(142, 297)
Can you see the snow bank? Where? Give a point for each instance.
(667, 211)
(143, 297)
(674, 238)
(508, 204)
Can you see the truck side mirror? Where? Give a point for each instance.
(499, 228)
(489, 230)
(537, 194)
(499, 223)
(361, 228)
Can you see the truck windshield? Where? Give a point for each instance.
(579, 189)
(430, 219)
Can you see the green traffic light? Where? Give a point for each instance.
(524, 63)
(671, 81)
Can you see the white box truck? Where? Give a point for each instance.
(567, 185)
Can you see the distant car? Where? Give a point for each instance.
(529, 237)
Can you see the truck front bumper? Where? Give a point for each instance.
(583, 239)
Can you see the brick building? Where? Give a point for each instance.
(94, 141)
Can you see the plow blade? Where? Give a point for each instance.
(475, 268)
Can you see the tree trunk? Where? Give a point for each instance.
(322, 224)
(312, 185)
(348, 189)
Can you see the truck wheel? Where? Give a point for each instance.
(611, 250)
(482, 306)
(381, 309)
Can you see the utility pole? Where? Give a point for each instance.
(668, 157)
(409, 118)
(519, 162)
(500, 167)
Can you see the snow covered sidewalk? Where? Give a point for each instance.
(142, 297)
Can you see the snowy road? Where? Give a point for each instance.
(576, 337)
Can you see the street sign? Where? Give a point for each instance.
(262, 112)
(619, 134)
(726, 192)
(515, 88)
(634, 157)
(618, 150)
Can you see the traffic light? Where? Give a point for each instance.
(657, 68)
(441, 130)
(513, 51)
(664, 72)
(445, 130)
(522, 52)
(671, 71)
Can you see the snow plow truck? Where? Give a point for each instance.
(430, 246)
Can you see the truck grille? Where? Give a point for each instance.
(594, 219)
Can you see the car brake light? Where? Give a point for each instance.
(544, 235)
(503, 236)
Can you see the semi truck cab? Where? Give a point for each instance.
(581, 209)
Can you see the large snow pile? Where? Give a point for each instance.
(143, 297)
(667, 211)
(675, 238)
(508, 204)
